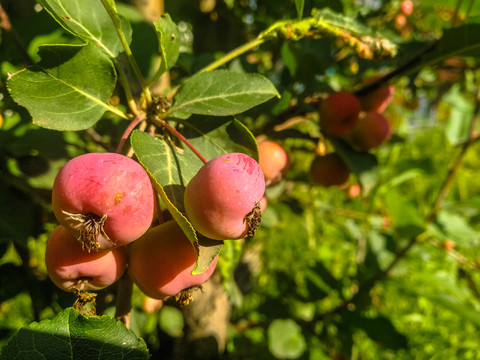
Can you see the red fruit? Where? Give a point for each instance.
(400, 21)
(354, 191)
(449, 244)
(328, 170)
(406, 7)
(451, 70)
(378, 99)
(67, 264)
(104, 199)
(221, 199)
(339, 113)
(372, 130)
(273, 160)
(162, 260)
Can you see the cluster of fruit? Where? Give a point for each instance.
(357, 120)
(401, 18)
(105, 201)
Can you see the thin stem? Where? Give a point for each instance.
(128, 51)
(6, 25)
(458, 161)
(235, 53)
(400, 70)
(455, 14)
(98, 139)
(126, 87)
(180, 137)
(128, 130)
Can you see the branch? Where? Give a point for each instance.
(180, 137)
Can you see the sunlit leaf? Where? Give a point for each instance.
(222, 93)
(68, 89)
(70, 336)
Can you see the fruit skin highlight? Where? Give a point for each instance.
(162, 260)
(96, 185)
(339, 113)
(273, 160)
(223, 195)
(67, 263)
(329, 170)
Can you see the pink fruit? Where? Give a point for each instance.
(372, 130)
(263, 203)
(68, 265)
(221, 199)
(104, 199)
(273, 161)
(162, 260)
(354, 191)
(339, 113)
(406, 7)
(328, 170)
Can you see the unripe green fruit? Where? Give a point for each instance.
(68, 265)
(372, 130)
(329, 170)
(104, 199)
(221, 199)
(162, 260)
(339, 113)
(273, 161)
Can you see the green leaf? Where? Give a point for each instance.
(169, 42)
(300, 5)
(462, 40)
(73, 336)
(461, 114)
(363, 164)
(379, 328)
(171, 170)
(222, 93)
(68, 89)
(404, 213)
(285, 339)
(89, 20)
(217, 136)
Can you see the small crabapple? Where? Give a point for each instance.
(372, 130)
(221, 199)
(69, 266)
(328, 170)
(273, 160)
(161, 262)
(449, 244)
(339, 113)
(451, 70)
(400, 22)
(354, 191)
(378, 99)
(104, 199)
(406, 7)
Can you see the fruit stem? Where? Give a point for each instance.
(180, 137)
(128, 130)
(131, 59)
